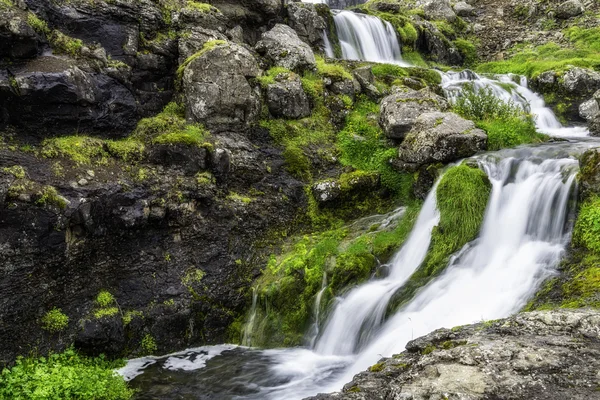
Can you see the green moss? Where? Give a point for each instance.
(37, 24)
(67, 375)
(16, 170)
(104, 299)
(48, 195)
(62, 43)
(510, 133)
(336, 72)
(148, 345)
(190, 135)
(377, 367)
(272, 74)
(313, 86)
(55, 321)
(468, 50)
(239, 198)
(192, 276)
(583, 290)
(130, 315)
(208, 46)
(430, 348)
(201, 7)
(105, 312)
(414, 58)
(587, 226)
(80, 149)
(128, 150)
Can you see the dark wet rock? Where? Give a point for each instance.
(17, 38)
(550, 355)
(308, 24)
(190, 159)
(439, 137)
(105, 333)
(570, 9)
(217, 91)
(432, 42)
(282, 47)
(64, 102)
(400, 110)
(286, 98)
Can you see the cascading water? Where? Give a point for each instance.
(511, 88)
(367, 38)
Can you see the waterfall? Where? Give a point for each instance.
(248, 329)
(314, 330)
(511, 88)
(367, 38)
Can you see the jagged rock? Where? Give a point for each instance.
(216, 88)
(581, 81)
(590, 109)
(438, 137)
(569, 9)
(400, 110)
(286, 98)
(282, 46)
(434, 43)
(194, 41)
(464, 9)
(102, 333)
(304, 19)
(589, 178)
(594, 126)
(17, 38)
(352, 184)
(550, 355)
(439, 10)
(364, 76)
(190, 159)
(65, 101)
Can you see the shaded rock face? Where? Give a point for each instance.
(430, 42)
(439, 138)
(282, 47)
(217, 91)
(570, 9)
(540, 356)
(400, 110)
(286, 98)
(65, 102)
(17, 38)
(307, 23)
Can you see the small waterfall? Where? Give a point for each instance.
(249, 327)
(328, 47)
(367, 38)
(314, 330)
(511, 88)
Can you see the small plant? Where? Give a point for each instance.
(104, 299)
(37, 24)
(106, 312)
(130, 315)
(55, 321)
(148, 344)
(50, 196)
(239, 198)
(16, 170)
(194, 275)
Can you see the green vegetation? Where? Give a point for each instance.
(48, 195)
(54, 321)
(377, 367)
(148, 344)
(208, 46)
(87, 150)
(272, 74)
(104, 299)
(37, 24)
(201, 7)
(63, 376)
(16, 170)
(239, 198)
(506, 124)
(106, 312)
(292, 279)
(582, 50)
(468, 50)
(462, 195)
(587, 228)
(336, 72)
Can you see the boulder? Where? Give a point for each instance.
(305, 20)
(594, 126)
(439, 10)
(400, 110)
(590, 109)
(439, 137)
(434, 43)
(464, 9)
(570, 9)
(66, 100)
(194, 41)
(216, 88)
(282, 47)
(581, 82)
(17, 38)
(364, 76)
(286, 98)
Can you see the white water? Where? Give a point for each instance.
(315, 329)
(367, 38)
(249, 328)
(512, 88)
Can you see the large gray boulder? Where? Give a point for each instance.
(581, 82)
(216, 88)
(282, 47)
(286, 97)
(549, 355)
(439, 137)
(590, 109)
(464, 9)
(306, 21)
(439, 10)
(400, 110)
(570, 9)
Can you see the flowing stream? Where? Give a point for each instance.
(526, 227)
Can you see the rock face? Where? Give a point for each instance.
(569, 9)
(464, 9)
(282, 46)
(307, 23)
(539, 356)
(400, 110)
(590, 109)
(439, 138)
(286, 98)
(439, 9)
(17, 38)
(581, 81)
(66, 101)
(217, 91)
(432, 42)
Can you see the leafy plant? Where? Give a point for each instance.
(55, 320)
